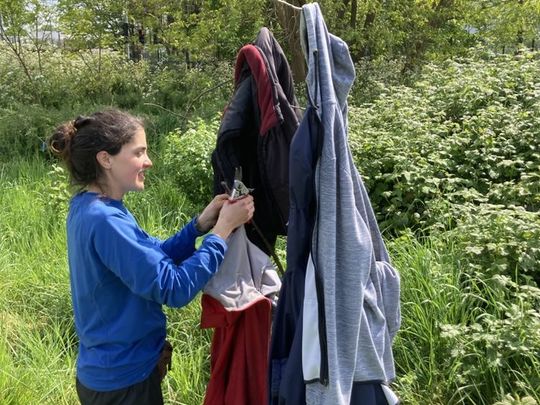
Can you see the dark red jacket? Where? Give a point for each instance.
(239, 361)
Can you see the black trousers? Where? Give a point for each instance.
(147, 392)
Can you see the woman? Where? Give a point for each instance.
(120, 276)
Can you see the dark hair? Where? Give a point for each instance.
(77, 142)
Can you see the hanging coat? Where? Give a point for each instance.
(350, 268)
(237, 303)
(285, 374)
(255, 132)
(338, 271)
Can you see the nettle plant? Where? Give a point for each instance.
(496, 240)
(496, 352)
(466, 132)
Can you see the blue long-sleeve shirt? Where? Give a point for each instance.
(120, 277)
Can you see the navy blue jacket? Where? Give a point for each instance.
(285, 375)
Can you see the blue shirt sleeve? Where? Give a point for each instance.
(181, 245)
(146, 269)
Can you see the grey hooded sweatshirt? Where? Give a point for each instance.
(349, 278)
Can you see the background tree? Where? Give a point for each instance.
(91, 25)
(25, 28)
(505, 24)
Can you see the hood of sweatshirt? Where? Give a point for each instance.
(330, 67)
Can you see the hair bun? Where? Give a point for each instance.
(60, 140)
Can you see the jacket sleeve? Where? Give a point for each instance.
(146, 269)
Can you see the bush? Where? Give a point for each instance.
(466, 337)
(203, 89)
(23, 130)
(498, 351)
(185, 158)
(494, 240)
(467, 131)
(64, 84)
(59, 78)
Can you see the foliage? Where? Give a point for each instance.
(84, 77)
(426, 30)
(505, 23)
(91, 24)
(199, 30)
(214, 29)
(203, 32)
(24, 132)
(502, 341)
(185, 157)
(22, 21)
(465, 132)
(200, 89)
(400, 28)
(494, 239)
(166, 94)
(466, 337)
(72, 78)
(374, 77)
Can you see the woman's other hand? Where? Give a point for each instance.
(233, 214)
(208, 218)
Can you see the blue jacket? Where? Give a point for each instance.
(120, 276)
(286, 380)
(338, 310)
(351, 269)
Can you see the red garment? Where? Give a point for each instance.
(252, 56)
(239, 354)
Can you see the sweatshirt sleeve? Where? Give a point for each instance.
(146, 269)
(181, 245)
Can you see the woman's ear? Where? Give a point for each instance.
(104, 159)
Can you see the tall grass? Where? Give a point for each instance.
(37, 342)
(465, 338)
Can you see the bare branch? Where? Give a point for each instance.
(284, 3)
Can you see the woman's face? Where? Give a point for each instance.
(126, 171)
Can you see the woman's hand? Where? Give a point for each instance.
(233, 214)
(208, 218)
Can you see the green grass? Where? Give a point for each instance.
(37, 341)
(464, 339)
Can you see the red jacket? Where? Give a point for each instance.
(239, 366)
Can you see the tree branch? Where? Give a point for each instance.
(284, 3)
(18, 55)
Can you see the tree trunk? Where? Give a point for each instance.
(341, 11)
(354, 12)
(38, 48)
(520, 38)
(289, 18)
(99, 60)
(368, 22)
